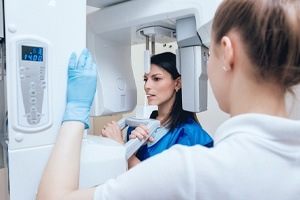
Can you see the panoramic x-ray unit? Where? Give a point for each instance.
(37, 39)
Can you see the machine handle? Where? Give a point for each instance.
(134, 144)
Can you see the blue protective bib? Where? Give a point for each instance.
(189, 134)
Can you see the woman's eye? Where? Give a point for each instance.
(157, 79)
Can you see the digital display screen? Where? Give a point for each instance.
(31, 53)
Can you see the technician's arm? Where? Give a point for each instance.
(61, 176)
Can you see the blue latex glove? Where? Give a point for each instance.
(82, 82)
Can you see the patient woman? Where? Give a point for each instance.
(163, 88)
(254, 62)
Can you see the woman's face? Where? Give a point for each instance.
(217, 77)
(160, 87)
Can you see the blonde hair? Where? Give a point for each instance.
(270, 32)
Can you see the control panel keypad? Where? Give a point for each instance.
(33, 83)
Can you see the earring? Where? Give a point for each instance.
(225, 69)
(176, 90)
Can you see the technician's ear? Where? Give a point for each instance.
(228, 52)
(178, 84)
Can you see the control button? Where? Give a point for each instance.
(32, 84)
(33, 109)
(22, 69)
(34, 121)
(38, 115)
(43, 84)
(32, 93)
(32, 100)
(22, 76)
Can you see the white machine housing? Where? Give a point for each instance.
(110, 41)
(40, 37)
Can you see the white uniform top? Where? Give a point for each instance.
(255, 157)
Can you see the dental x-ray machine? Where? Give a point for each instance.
(36, 43)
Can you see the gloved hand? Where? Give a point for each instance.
(82, 82)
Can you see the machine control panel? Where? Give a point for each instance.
(32, 79)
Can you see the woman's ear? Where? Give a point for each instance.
(178, 84)
(228, 52)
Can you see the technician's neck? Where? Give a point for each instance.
(258, 98)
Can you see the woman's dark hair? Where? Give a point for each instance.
(177, 115)
(271, 35)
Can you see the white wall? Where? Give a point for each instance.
(293, 103)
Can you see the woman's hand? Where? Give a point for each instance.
(141, 132)
(112, 130)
